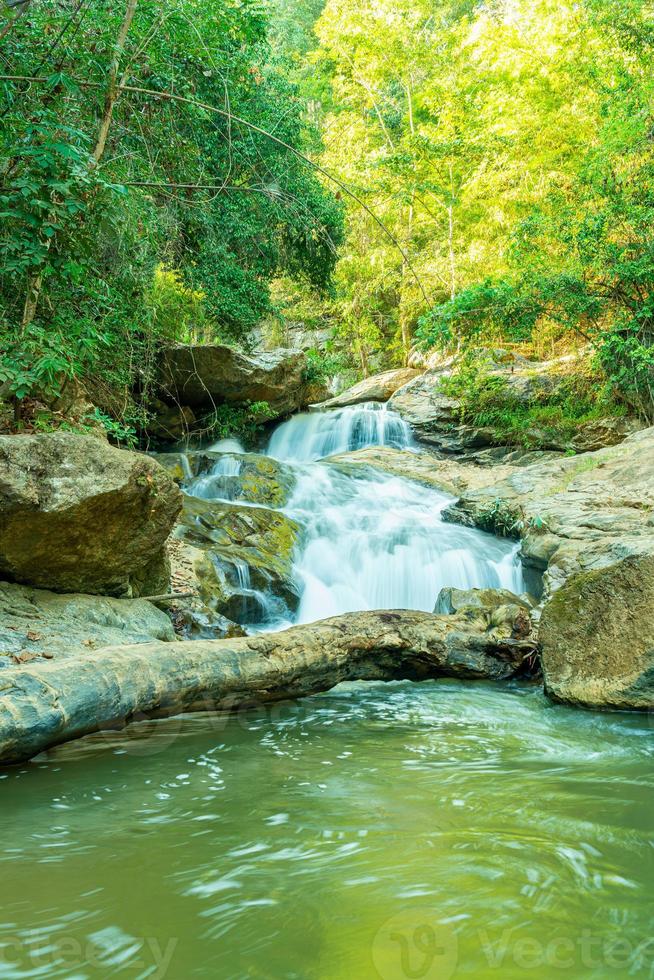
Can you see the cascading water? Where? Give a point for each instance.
(379, 542)
(375, 541)
(371, 540)
(315, 435)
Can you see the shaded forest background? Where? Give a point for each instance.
(493, 168)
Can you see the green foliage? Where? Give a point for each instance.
(103, 261)
(554, 416)
(243, 422)
(322, 366)
(519, 186)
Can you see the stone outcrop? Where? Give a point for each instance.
(436, 417)
(36, 624)
(46, 704)
(573, 514)
(597, 637)
(379, 388)
(206, 376)
(79, 515)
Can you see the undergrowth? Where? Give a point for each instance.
(556, 415)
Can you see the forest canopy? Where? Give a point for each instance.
(496, 156)
(129, 218)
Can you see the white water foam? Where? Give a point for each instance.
(370, 540)
(315, 435)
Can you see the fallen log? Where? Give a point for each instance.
(46, 704)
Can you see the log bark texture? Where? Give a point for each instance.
(46, 704)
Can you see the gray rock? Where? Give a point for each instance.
(436, 417)
(378, 388)
(205, 376)
(36, 624)
(79, 515)
(573, 514)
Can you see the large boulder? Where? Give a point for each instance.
(379, 388)
(205, 376)
(39, 625)
(597, 637)
(79, 515)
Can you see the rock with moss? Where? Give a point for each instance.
(79, 515)
(246, 565)
(36, 624)
(597, 637)
(528, 404)
(238, 477)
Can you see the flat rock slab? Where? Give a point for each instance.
(36, 624)
(574, 513)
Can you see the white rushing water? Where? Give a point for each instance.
(379, 542)
(370, 540)
(315, 435)
(374, 541)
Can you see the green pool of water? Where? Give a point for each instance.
(401, 831)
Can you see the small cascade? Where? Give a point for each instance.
(315, 435)
(379, 542)
(221, 483)
(370, 540)
(226, 446)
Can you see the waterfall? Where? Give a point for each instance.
(379, 542)
(221, 483)
(315, 435)
(370, 540)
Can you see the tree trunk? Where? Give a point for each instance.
(36, 281)
(112, 83)
(46, 704)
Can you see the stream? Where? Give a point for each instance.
(432, 830)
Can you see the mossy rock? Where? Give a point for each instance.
(247, 549)
(259, 480)
(597, 637)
